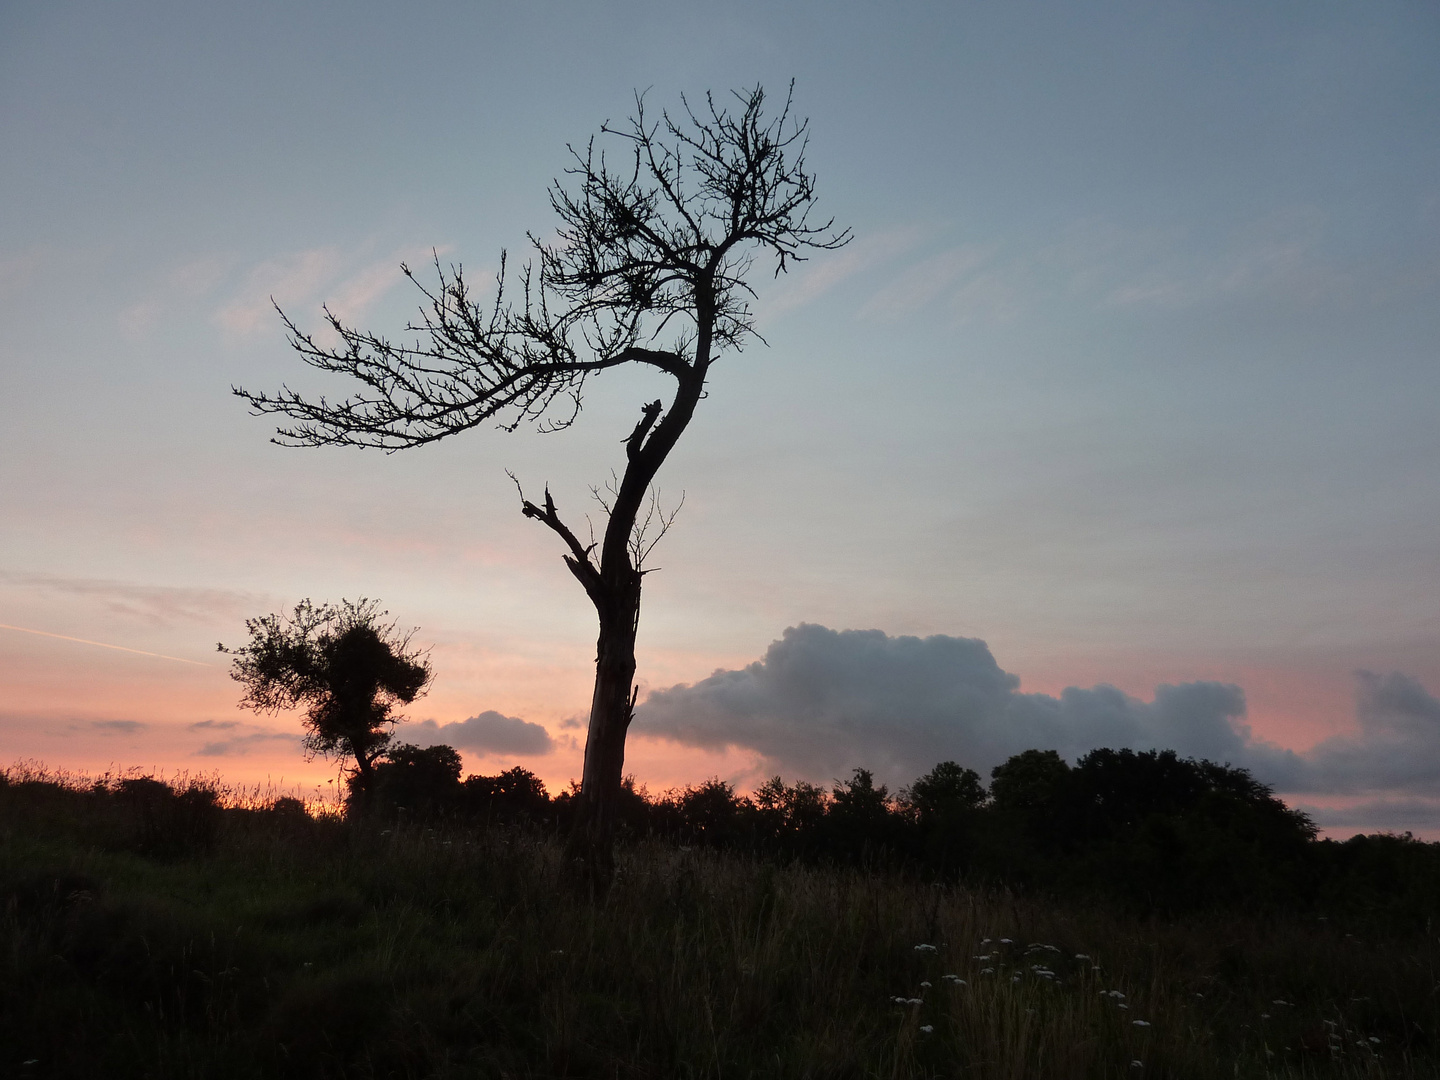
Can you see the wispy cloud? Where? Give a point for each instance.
(240, 745)
(181, 286)
(928, 279)
(348, 284)
(290, 279)
(1279, 258)
(158, 605)
(101, 645)
(829, 269)
(120, 727)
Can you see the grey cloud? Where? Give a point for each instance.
(1396, 750)
(240, 745)
(490, 733)
(157, 604)
(215, 725)
(1378, 815)
(123, 727)
(823, 701)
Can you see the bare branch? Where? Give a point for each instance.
(659, 246)
(578, 560)
(648, 531)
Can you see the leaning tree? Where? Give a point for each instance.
(648, 267)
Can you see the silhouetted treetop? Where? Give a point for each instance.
(649, 262)
(344, 664)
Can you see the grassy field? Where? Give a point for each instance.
(151, 936)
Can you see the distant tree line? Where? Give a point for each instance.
(1159, 833)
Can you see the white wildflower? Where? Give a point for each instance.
(1006, 941)
(927, 1028)
(1140, 1023)
(1081, 956)
(987, 971)
(925, 985)
(1137, 1064)
(1373, 1039)
(926, 948)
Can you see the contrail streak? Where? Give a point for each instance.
(101, 644)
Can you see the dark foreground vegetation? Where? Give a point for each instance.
(1067, 922)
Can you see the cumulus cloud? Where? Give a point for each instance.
(1397, 748)
(489, 733)
(822, 701)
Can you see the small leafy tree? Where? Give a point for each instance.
(345, 665)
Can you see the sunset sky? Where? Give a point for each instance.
(1115, 425)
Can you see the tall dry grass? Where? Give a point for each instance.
(287, 945)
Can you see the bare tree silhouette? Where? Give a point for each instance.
(649, 267)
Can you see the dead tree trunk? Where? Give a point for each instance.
(612, 707)
(614, 588)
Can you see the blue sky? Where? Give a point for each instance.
(1130, 372)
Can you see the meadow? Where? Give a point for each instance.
(185, 931)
